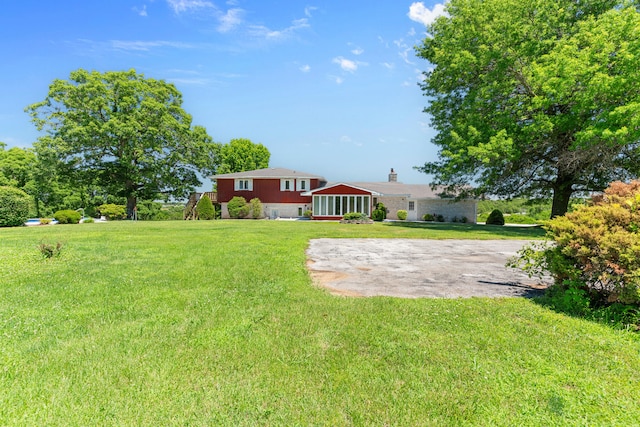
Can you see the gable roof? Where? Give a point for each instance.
(269, 173)
(338, 184)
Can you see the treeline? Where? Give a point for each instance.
(522, 210)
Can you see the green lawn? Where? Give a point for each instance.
(217, 323)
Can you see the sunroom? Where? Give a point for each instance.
(334, 201)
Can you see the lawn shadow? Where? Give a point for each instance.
(520, 232)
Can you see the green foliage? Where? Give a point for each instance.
(241, 155)
(48, 250)
(45, 221)
(88, 220)
(402, 214)
(308, 213)
(428, 217)
(355, 216)
(14, 207)
(238, 207)
(67, 216)
(379, 213)
(122, 133)
(112, 211)
(596, 246)
(495, 218)
(204, 208)
(256, 208)
(534, 97)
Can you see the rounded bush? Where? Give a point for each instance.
(354, 216)
(380, 212)
(495, 218)
(67, 216)
(112, 211)
(238, 207)
(205, 209)
(428, 217)
(402, 214)
(14, 207)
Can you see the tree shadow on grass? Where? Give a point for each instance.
(528, 232)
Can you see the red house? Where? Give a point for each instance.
(286, 193)
(280, 190)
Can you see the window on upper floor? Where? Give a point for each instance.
(302, 184)
(286, 184)
(243, 185)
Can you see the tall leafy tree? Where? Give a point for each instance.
(241, 155)
(123, 132)
(534, 97)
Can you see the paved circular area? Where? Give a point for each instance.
(413, 268)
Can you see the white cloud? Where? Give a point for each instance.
(141, 12)
(145, 46)
(230, 20)
(180, 6)
(336, 79)
(388, 65)
(346, 64)
(308, 10)
(305, 68)
(264, 32)
(357, 51)
(420, 13)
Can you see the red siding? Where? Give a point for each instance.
(342, 189)
(267, 190)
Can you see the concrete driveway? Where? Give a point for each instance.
(413, 268)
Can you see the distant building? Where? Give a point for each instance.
(287, 193)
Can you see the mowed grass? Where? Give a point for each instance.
(218, 323)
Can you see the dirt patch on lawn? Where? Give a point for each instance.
(413, 268)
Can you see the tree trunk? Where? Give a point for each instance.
(561, 194)
(131, 207)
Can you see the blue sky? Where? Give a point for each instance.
(329, 87)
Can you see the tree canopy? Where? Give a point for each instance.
(123, 133)
(241, 155)
(533, 97)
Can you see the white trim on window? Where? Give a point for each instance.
(302, 184)
(286, 184)
(243, 184)
(338, 205)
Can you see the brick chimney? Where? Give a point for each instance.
(393, 177)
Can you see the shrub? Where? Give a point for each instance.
(355, 216)
(428, 217)
(402, 214)
(204, 208)
(256, 208)
(49, 250)
(14, 207)
(308, 213)
(112, 211)
(495, 218)
(67, 216)
(440, 218)
(88, 221)
(595, 246)
(238, 207)
(379, 213)
(45, 221)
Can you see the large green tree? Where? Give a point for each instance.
(124, 133)
(534, 97)
(241, 155)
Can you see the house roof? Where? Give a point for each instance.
(414, 191)
(336, 184)
(269, 173)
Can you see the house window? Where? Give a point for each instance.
(412, 206)
(340, 205)
(243, 185)
(302, 184)
(286, 185)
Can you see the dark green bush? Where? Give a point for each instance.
(495, 218)
(379, 213)
(67, 216)
(204, 208)
(428, 217)
(402, 214)
(440, 218)
(112, 211)
(238, 207)
(14, 207)
(355, 216)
